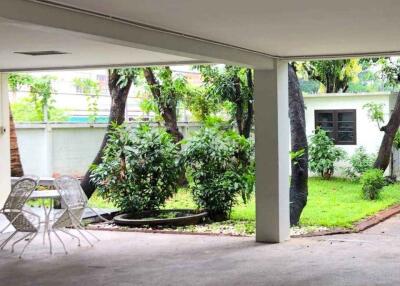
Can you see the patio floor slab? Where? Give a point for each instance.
(121, 258)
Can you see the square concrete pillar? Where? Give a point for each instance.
(5, 165)
(272, 153)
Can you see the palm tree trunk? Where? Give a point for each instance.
(16, 165)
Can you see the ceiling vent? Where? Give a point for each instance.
(41, 53)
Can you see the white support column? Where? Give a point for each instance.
(5, 165)
(272, 153)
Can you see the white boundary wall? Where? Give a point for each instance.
(58, 148)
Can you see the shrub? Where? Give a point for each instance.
(360, 162)
(220, 167)
(323, 154)
(372, 182)
(139, 170)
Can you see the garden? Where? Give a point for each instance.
(205, 182)
(142, 171)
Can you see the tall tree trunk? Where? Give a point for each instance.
(250, 107)
(16, 165)
(119, 95)
(239, 102)
(383, 159)
(167, 108)
(299, 164)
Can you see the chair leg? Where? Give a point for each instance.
(81, 233)
(22, 238)
(59, 238)
(78, 226)
(88, 232)
(72, 235)
(99, 215)
(4, 243)
(26, 245)
(10, 223)
(51, 246)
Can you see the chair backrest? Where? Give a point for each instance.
(20, 193)
(32, 177)
(70, 191)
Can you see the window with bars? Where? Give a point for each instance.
(340, 125)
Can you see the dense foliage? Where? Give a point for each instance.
(39, 104)
(375, 112)
(232, 87)
(334, 75)
(91, 89)
(139, 168)
(220, 167)
(323, 154)
(372, 182)
(360, 162)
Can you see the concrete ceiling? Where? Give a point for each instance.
(81, 52)
(283, 28)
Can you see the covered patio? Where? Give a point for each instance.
(263, 35)
(123, 258)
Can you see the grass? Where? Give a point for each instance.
(339, 203)
(333, 203)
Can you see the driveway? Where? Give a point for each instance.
(123, 258)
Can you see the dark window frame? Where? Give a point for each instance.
(335, 121)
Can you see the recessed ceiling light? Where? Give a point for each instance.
(41, 53)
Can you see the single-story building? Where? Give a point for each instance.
(345, 118)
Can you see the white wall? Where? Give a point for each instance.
(4, 141)
(368, 133)
(53, 149)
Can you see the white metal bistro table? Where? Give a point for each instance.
(44, 195)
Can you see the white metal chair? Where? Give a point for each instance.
(22, 219)
(75, 204)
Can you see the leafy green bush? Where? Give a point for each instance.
(396, 140)
(323, 154)
(360, 162)
(139, 170)
(220, 167)
(24, 110)
(372, 182)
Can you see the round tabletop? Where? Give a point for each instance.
(46, 194)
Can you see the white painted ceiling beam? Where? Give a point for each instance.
(112, 31)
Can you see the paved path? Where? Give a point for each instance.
(369, 258)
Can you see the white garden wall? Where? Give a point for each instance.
(52, 149)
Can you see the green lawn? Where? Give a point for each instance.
(333, 203)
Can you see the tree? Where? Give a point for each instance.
(15, 81)
(41, 95)
(334, 75)
(391, 72)
(234, 85)
(119, 84)
(91, 89)
(166, 91)
(16, 165)
(299, 149)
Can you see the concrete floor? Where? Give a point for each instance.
(121, 258)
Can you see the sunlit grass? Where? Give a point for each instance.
(331, 203)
